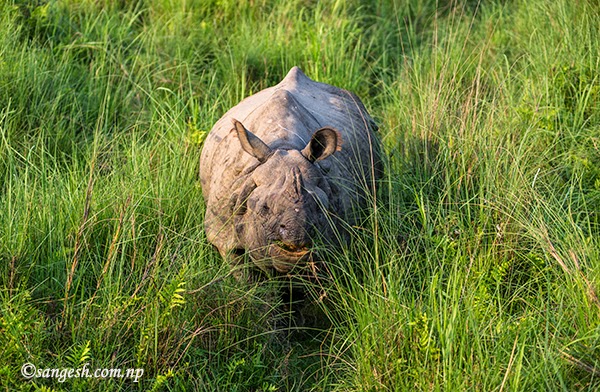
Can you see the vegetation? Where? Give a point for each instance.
(478, 267)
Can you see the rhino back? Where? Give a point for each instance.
(285, 116)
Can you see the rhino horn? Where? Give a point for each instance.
(251, 143)
(294, 185)
(322, 144)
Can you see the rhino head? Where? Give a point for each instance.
(280, 205)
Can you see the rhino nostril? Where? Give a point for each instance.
(283, 231)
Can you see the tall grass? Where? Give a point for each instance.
(478, 270)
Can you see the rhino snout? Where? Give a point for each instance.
(294, 236)
(283, 232)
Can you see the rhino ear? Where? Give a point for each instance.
(251, 143)
(323, 143)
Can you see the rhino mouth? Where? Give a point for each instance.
(285, 257)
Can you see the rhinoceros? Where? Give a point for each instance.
(292, 162)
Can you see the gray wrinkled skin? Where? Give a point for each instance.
(286, 164)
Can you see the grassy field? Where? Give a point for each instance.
(477, 270)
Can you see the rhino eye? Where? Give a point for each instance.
(258, 207)
(241, 210)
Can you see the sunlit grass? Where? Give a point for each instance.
(476, 268)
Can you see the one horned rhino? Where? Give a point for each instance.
(291, 162)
